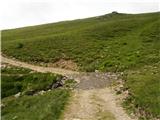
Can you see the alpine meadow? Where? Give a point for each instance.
(124, 44)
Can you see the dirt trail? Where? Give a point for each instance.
(95, 104)
(37, 68)
(91, 100)
(94, 100)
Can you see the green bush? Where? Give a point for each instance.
(19, 45)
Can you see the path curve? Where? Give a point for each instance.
(37, 68)
(92, 100)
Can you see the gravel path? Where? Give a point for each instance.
(95, 104)
(91, 100)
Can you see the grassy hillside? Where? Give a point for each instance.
(31, 103)
(112, 42)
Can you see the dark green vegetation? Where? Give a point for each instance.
(29, 83)
(31, 105)
(113, 42)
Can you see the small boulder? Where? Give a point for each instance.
(17, 95)
(2, 105)
(57, 84)
(42, 92)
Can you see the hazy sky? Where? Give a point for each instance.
(26, 12)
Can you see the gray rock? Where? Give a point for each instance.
(42, 92)
(57, 84)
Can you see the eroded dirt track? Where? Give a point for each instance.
(91, 100)
(37, 68)
(95, 104)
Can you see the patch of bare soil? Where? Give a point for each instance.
(65, 64)
(95, 104)
(94, 100)
(95, 80)
(37, 68)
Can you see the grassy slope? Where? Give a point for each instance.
(144, 85)
(113, 42)
(48, 106)
(110, 42)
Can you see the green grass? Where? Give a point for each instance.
(107, 43)
(112, 42)
(48, 106)
(29, 106)
(144, 86)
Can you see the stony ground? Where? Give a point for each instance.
(94, 100)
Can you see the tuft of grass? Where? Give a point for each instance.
(70, 83)
(19, 45)
(105, 115)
